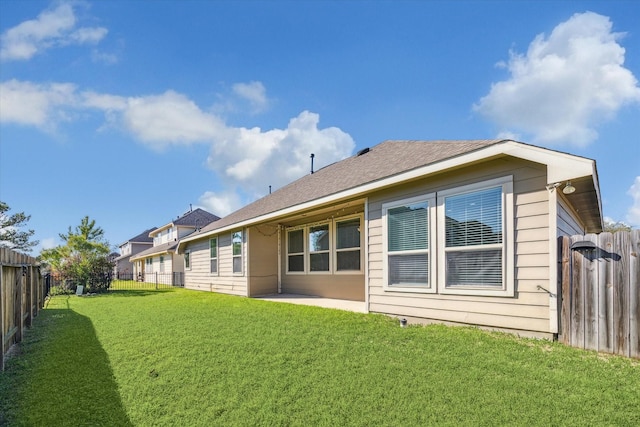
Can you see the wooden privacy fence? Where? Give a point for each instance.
(22, 295)
(600, 293)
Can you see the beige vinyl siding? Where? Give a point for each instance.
(177, 263)
(184, 231)
(568, 223)
(262, 259)
(339, 285)
(529, 308)
(225, 281)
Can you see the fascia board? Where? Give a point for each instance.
(560, 166)
(159, 229)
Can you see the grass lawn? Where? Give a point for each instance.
(178, 357)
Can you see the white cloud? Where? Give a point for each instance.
(221, 204)
(105, 58)
(54, 27)
(170, 118)
(40, 105)
(248, 160)
(633, 215)
(255, 93)
(564, 84)
(253, 159)
(48, 243)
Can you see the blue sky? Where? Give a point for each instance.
(130, 111)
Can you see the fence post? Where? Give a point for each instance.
(156, 274)
(565, 316)
(17, 308)
(29, 295)
(2, 303)
(634, 297)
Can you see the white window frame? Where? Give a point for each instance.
(507, 245)
(214, 259)
(431, 288)
(303, 253)
(233, 256)
(328, 251)
(335, 249)
(187, 260)
(161, 262)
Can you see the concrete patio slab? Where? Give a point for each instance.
(340, 304)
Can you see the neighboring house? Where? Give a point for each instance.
(161, 262)
(133, 246)
(454, 231)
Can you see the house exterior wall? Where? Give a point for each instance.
(177, 263)
(184, 231)
(349, 287)
(568, 222)
(124, 266)
(199, 276)
(262, 259)
(528, 309)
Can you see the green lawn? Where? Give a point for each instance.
(178, 357)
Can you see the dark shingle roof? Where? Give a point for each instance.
(197, 217)
(384, 160)
(142, 237)
(165, 247)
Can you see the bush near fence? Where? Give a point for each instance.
(22, 295)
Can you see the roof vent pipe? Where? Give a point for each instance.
(312, 156)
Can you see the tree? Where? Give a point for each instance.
(612, 226)
(10, 234)
(83, 258)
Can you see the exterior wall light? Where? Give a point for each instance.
(568, 188)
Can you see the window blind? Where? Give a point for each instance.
(407, 227)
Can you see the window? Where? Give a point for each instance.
(187, 260)
(348, 245)
(161, 264)
(236, 243)
(329, 247)
(475, 248)
(408, 232)
(295, 251)
(149, 264)
(319, 248)
(213, 254)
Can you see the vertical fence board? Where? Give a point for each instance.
(590, 265)
(2, 351)
(605, 293)
(621, 293)
(577, 297)
(565, 316)
(634, 295)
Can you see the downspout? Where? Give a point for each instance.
(553, 262)
(279, 259)
(246, 259)
(366, 255)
